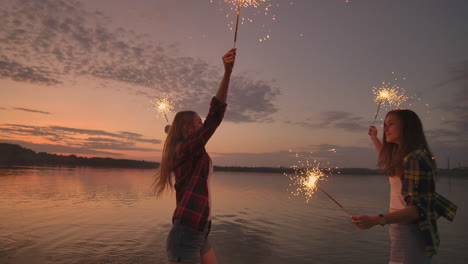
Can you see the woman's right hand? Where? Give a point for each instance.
(228, 60)
(372, 132)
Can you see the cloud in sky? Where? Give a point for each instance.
(453, 132)
(31, 110)
(67, 139)
(25, 110)
(21, 73)
(459, 73)
(50, 42)
(334, 119)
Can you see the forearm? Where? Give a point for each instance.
(402, 216)
(377, 144)
(221, 95)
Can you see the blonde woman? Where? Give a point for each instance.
(415, 205)
(185, 160)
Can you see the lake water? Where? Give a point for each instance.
(87, 215)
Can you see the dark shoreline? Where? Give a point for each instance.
(12, 155)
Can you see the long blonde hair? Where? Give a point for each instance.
(183, 121)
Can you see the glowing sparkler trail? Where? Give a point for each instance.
(261, 9)
(162, 105)
(305, 178)
(391, 95)
(305, 181)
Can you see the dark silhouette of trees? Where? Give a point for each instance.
(15, 155)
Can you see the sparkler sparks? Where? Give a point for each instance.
(388, 95)
(162, 105)
(263, 5)
(253, 11)
(305, 179)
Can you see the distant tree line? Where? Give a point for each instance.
(15, 155)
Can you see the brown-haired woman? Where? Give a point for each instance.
(185, 157)
(414, 204)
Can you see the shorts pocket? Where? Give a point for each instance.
(191, 239)
(184, 244)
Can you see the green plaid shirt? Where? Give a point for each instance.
(418, 189)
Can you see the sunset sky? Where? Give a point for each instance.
(77, 77)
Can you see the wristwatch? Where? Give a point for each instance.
(382, 220)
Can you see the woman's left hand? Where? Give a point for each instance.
(364, 221)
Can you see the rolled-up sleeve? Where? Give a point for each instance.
(198, 140)
(418, 184)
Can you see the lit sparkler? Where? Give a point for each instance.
(163, 106)
(305, 181)
(246, 3)
(262, 11)
(388, 94)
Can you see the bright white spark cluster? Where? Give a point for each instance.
(253, 12)
(162, 105)
(305, 179)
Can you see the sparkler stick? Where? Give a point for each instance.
(165, 116)
(163, 108)
(377, 113)
(237, 22)
(329, 196)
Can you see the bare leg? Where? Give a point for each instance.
(209, 257)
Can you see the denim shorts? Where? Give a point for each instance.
(185, 244)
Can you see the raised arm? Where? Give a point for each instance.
(228, 61)
(195, 142)
(373, 135)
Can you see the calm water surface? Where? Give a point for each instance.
(84, 215)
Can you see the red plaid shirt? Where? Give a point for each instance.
(191, 169)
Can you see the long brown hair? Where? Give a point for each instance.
(412, 137)
(183, 121)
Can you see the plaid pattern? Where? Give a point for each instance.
(418, 189)
(191, 169)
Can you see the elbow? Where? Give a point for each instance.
(415, 214)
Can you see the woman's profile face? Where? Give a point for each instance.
(197, 122)
(195, 126)
(393, 129)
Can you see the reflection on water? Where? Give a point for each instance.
(78, 215)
